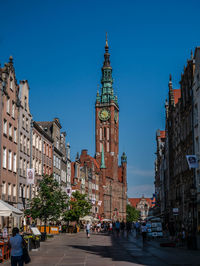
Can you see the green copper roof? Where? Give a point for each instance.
(107, 92)
(102, 159)
(124, 158)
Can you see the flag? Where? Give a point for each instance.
(30, 176)
(192, 161)
(99, 202)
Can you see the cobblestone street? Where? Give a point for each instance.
(104, 250)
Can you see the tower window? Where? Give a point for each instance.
(105, 132)
(100, 133)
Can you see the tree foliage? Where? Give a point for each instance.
(79, 206)
(50, 201)
(132, 214)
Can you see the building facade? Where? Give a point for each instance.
(143, 205)
(52, 128)
(9, 104)
(24, 144)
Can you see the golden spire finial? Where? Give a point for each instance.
(106, 39)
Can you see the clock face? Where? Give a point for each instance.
(104, 114)
(116, 117)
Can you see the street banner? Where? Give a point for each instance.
(30, 176)
(93, 201)
(192, 161)
(99, 202)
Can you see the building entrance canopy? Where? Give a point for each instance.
(8, 210)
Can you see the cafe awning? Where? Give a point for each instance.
(8, 210)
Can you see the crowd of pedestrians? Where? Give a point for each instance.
(117, 228)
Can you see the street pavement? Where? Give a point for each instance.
(106, 250)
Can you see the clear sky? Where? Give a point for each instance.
(58, 47)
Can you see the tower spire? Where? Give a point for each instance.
(102, 159)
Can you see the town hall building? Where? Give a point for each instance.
(112, 195)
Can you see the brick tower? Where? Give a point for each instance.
(107, 145)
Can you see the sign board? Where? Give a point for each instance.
(35, 231)
(30, 176)
(54, 229)
(175, 211)
(192, 161)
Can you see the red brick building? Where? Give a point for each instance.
(112, 177)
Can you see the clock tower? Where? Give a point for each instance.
(107, 121)
(113, 176)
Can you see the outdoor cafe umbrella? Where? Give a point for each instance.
(8, 210)
(87, 218)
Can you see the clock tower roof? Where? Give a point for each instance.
(107, 92)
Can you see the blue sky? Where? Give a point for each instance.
(58, 47)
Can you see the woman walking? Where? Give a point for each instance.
(88, 229)
(16, 243)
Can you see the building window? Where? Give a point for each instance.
(4, 157)
(28, 146)
(40, 168)
(44, 147)
(54, 160)
(57, 144)
(27, 124)
(107, 133)
(49, 152)
(5, 126)
(4, 188)
(23, 121)
(24, 143)
(33, 163)
(10, 160)
(9, 190)
(13, 109)
(24, 168)
(25, 103)
(21, 166)
(15, 135)
(100, 133)
(10, 130)
(40, 145)
(14, 191)
(21, 141)
(15, 163)
(36, 142)
(8, 106)
(11, 83)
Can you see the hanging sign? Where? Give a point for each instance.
(192, 161)
(99, 202)
(30, 176)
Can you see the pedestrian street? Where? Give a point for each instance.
(105, 250)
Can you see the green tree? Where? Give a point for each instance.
(132, 214)
(79, 206)
(50, 201)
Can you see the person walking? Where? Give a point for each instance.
(16, 243)
(117, 227)
(144, 232)
(88, 226)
